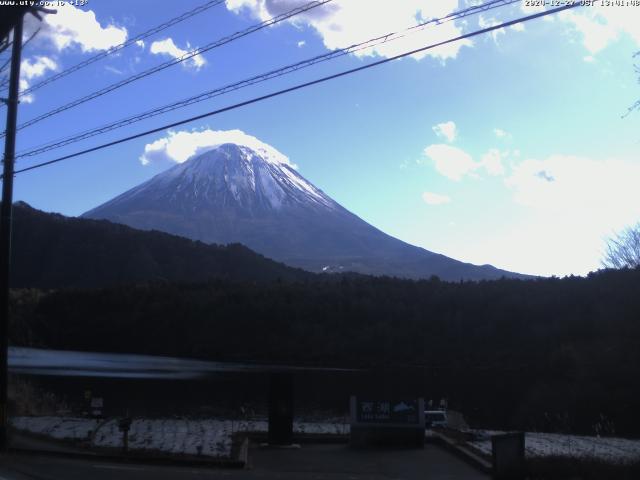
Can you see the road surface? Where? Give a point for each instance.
(311, 462)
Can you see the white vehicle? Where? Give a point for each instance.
(435, 419)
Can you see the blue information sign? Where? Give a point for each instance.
(387, 411)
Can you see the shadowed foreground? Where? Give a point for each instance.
(309, 462)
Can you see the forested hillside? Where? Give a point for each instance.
(521, 352)
(54, 251)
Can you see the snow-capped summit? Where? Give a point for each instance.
(229, 175)
(236, 193)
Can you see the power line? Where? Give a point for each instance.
(6, 64)
(302, 85)
(5, 81)
(5, 45)
(261, 78)
(175, 61)
(112, 50)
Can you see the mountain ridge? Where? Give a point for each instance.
(233, 193)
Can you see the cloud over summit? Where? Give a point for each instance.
(180, 146)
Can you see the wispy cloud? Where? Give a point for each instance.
(113, 70)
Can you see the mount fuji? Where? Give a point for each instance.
(253, 195)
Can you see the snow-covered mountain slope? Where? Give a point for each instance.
(233, 193)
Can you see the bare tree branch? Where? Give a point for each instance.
(623, 249)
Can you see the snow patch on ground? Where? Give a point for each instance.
(177, 436)
(60, 428)
(208, 437)
(608, 449)
(214, 437)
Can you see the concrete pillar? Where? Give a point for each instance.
(280, 409)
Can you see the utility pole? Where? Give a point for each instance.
(5, 225)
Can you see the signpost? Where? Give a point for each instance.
(390, 422)
(97, 406)
(388, 412)
(124, 425)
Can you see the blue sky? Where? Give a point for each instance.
(508, 148)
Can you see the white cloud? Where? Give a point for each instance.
(567, 206)
(595, 187)
(625, 20)
(301, 43)
(601, 25)
(500, 133)
(346, 22)
(31, 68)
(72, 26)
(23, 85)
(36, 67)
(446, 130)
(168, 47)
(452, 162)
(589, 58)
(431, 198)
(574, 204)
(140, 43)
(180, 146)
(600, 194)
(595, 30)
(455, 163)
(492, 161)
